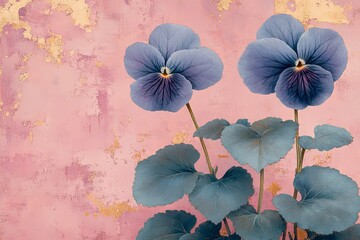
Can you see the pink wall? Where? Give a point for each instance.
(70, 136)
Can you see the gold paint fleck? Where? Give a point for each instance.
(38, 123)
(180, 137)
(138, 155)
(98, 64)
(224, 4)
(223, 155)
(54, 47)
(274, 188)
(114, 210)
(10, 15)
(23, 77)
(1, 104)
(319, 11)
(78, 10)
(30, 137)
(25, 58)
(323, 159)
(112, 149)
(1, 70)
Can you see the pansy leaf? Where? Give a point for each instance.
(263, 143)
(243, 122)
(329, 201)
(326, 137)
(171, 225)
(208, 231)
(215, 198)
(166, 176)
(212, 130)
(352, 233)
(250, 225)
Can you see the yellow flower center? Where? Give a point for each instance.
(299, 64)
(165, 72)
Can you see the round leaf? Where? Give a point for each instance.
(249, 225)
(329, 202)
(212, 130)
(216, 198)
(208, 231)
(171, 225)
(243, 122)
(326, 137)
(166, 176)
(263, 143)
(352, 233)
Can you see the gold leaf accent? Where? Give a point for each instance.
(112, 149)
(224, 4)
(10, 15)
(274, 188)
(54, 47)
(180, 137)
(319, 11)
(114, 210)
(79, 11)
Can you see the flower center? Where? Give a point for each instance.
(299, 64)
(165, 72)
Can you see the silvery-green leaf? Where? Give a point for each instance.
(215, 198)
(250, 225)
(166, 176)
(243, 122)
(208, 231)
(263, 143)
(171, 225)
(212, 130)
(326, 137)
(352, 233)
(329, 201)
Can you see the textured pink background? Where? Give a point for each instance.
(70, 136)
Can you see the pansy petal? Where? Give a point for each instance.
(308, 86)
(155, 93)
(283, 27)
(262, 63)
(169, 38)
(324, 47)
(202, 67)
(141, 59)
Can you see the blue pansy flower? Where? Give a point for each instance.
(168, 68)
(299, 66)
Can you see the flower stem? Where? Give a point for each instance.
(211, 170)
(261, 191)
(300, 152)
(298, 167)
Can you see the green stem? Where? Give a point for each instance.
(227, 227)
(299, 161)
(211, 170)
(261, 191)
(298, 167)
